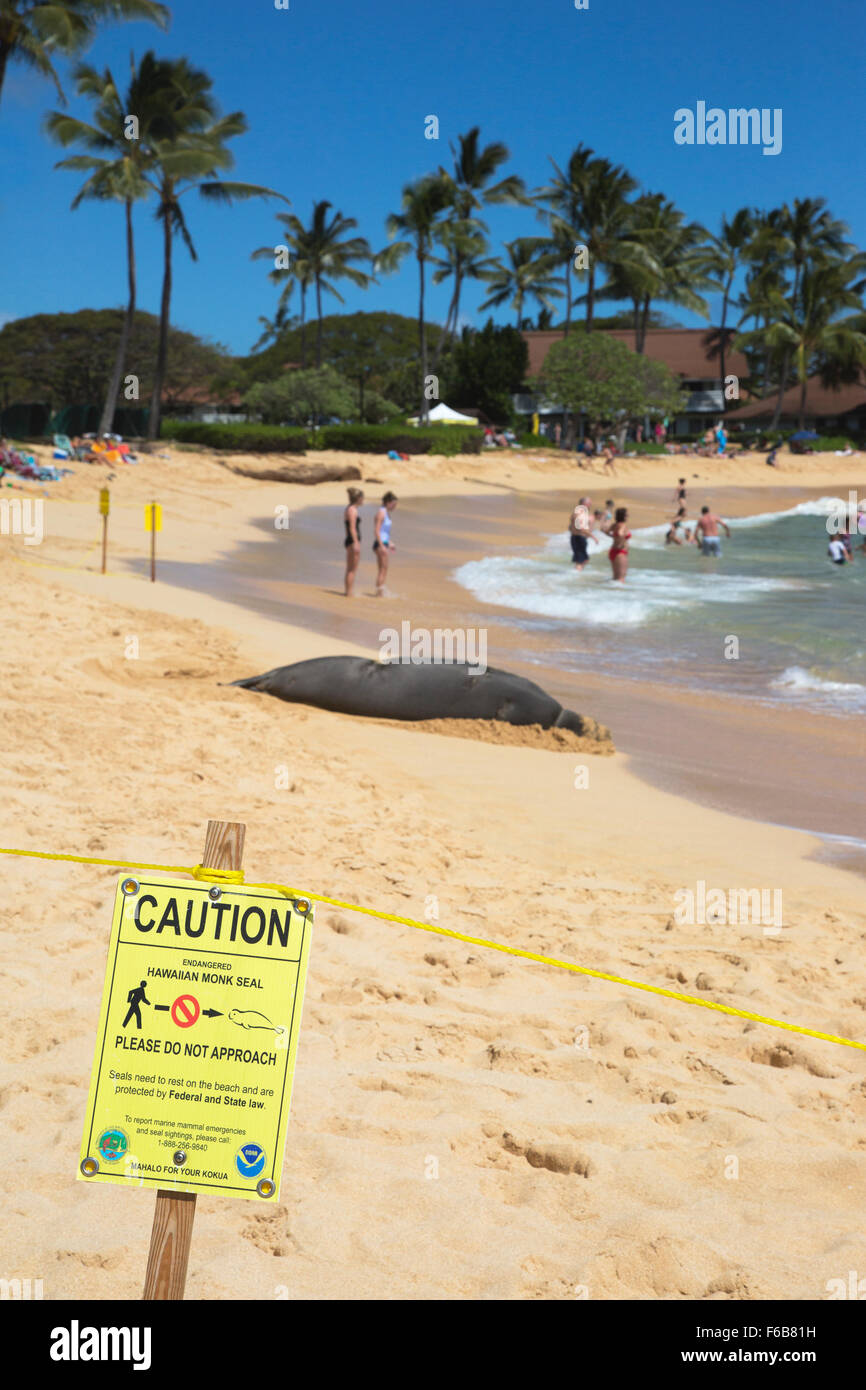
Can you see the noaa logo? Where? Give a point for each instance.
(250, 1160)
(112, 1145)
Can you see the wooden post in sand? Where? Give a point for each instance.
(153, 523)
(173, 1217)
(104, 507)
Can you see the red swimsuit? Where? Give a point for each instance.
(621, 549)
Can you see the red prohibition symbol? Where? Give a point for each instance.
(185, 1010)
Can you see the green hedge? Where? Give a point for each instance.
(361, 439)
(246, 438)
(825, 443)
(379, 439)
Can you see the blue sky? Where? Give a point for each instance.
(336, 93)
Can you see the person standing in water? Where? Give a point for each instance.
(352, 519)
(707, 533)
(618, 553)
(579, 528)
(838, 552)
(383, 545)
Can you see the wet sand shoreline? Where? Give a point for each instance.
(699, 744)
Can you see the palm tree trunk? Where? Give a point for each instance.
(722, 345)
(458, 285)
(164, 312)
(643, 322)
(567, 295)
(804, 384)
(446, 331)
(303, 327)
(422, 336)
(319, 324)
(783, 381)
(590, 295)
(110, 406)
(5, 50)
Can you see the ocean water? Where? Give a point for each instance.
(799, 621)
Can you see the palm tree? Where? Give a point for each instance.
(588, 205)
(466, 258)
(33, 31)
(421, 204)
(297, 272)
(766, 258)
(721, 259)
(662, 256)
(561, 203)
(526, 275)
(115, 169)
(471, 189)
(189, 151)
(326, 254)
(810, 331)
(808, 237)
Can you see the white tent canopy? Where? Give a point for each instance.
(442, 414)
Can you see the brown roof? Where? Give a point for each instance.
(201, 395)
(684, 350)
(820, 400)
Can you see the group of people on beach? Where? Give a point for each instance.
(705, 533)
(586, 524)
(383, 546)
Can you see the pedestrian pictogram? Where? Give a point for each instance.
(135, 998)
(185, 1010)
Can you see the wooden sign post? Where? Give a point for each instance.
(174, 1215)
(104, 507)
(153, 523)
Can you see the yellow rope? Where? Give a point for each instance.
(237, 876)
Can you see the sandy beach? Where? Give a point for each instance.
(464, 1124)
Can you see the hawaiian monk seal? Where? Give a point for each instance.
(354, 685)
(251, 1018)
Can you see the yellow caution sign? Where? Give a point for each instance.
(153, 517)
(104, 501)
(197, 1039)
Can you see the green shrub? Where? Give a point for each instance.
(243, 437)
(826, 443)
(379, 439)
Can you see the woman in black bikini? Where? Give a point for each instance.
(352, 518)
